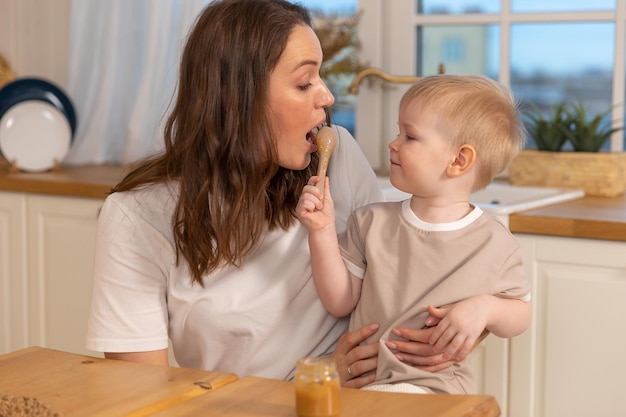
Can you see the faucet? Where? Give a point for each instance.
(406, 79)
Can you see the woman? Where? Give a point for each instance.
(201, 243)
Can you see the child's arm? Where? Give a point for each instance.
(462, 323)
(336, 287)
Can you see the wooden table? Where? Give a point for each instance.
(81, 386)
(76, 385)
(255, 397)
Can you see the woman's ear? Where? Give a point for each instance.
(463, 161)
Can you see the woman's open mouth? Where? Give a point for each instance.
(312, 135)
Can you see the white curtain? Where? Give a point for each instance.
(123, 67)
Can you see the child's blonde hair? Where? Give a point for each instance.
(477, 111)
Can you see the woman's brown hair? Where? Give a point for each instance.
(219, 144)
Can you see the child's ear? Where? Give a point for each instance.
(463, 161)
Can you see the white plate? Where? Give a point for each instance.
(34, 135)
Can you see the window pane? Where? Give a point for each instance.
(330, 7)
(463, 49)
(457, 6)
(342, 112)
(581, 71)
(561, 6)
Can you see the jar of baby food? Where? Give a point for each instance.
(317, 387)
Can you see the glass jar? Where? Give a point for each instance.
(317, 387)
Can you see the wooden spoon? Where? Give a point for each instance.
(326, 141)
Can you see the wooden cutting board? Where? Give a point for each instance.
(77, 385)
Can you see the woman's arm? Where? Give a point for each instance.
(155, 357)
(129, 302)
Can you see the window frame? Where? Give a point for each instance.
(506, 18)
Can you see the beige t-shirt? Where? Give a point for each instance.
(408, 264)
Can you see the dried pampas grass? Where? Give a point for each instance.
(6, 74)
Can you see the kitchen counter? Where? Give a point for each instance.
(590, 217)
(93, 181)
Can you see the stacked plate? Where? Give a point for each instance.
(37, 124)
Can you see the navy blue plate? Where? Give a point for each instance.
(24, 89)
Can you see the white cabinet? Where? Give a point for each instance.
(13, 282)
(571, 361)
(61, 243)
(46, 266)
(490, 366)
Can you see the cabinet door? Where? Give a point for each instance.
(13, 273)
(61, 245)
(490, 366)
(571, 362)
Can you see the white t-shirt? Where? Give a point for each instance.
(256, 320)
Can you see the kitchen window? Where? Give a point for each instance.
(547, 51)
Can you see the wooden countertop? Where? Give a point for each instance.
(590, 217)
(93, 181)
(77, 385)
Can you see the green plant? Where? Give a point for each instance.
(549, 132)
(568, 122)
(589, 135)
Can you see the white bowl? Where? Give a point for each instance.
(34, 135)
